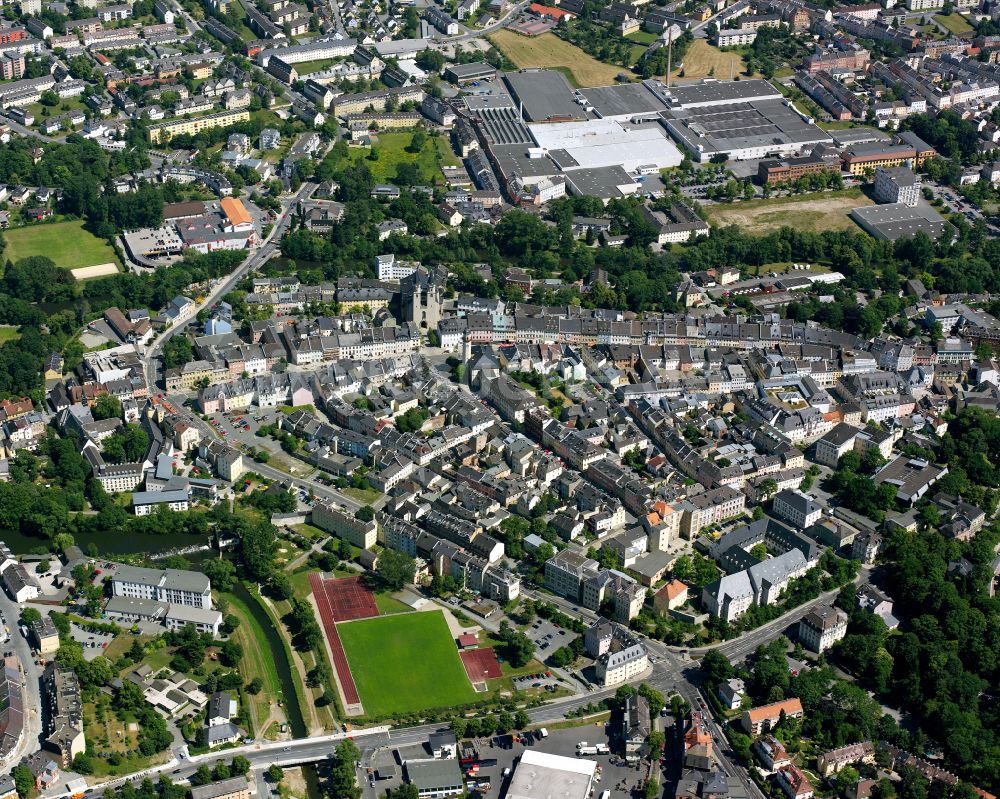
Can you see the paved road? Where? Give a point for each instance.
(32, 688)
(305, 481)
(258, 258)
(671, 672)
(470, 34)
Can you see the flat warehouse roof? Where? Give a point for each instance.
(605, 182)
(543, 775)
(513, 160)
(722, 92)
(741, 125)
(606, 142)
(898, 220)
(545, 94)
(623, 100)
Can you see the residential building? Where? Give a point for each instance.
(327, 516)
(164, 131)
(897, 185)
(822, 628)
(174, 586)
(233, 788)
(797, 508)
(20, 586)
(759, 719)
(731, 693)
(794, 783)
(830, 763)
(64, 735)
(671, 596)
(635, 727)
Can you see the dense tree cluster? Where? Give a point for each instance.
(941, 663)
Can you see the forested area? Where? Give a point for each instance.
(945, 660)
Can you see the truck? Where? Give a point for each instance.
(544, 733)
(586, 750)
(602, 749)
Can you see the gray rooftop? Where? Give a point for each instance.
(722, 92)
(177, 579)
(627, 98)
(897, 220)
(602, 181)
(429, 774)
(732, 126)
(214, 789)
(544, 93)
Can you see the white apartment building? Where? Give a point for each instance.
(822, 628)
(615, 668)
(796, 508)
(174, 586)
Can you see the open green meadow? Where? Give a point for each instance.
(392, 152)
(66, 243)
(405, 663)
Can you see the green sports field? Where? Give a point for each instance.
(66, 243)
(405, 663)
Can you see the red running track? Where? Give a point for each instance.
(337, 654)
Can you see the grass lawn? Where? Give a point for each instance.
(642, 37)
(405, 663)
(66, 243)
(392, 152)
(8, 334)
(290, 409)
(388, 605)
(815, 212)
(257, 658)
(366, 495)
(954, 22)
(548, 50)
(704, 60)
(309, 67)
(309, 531)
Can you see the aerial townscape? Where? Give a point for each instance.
(432, 399)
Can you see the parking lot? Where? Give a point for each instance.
(548, 637)
(615, 775)
(93, 643)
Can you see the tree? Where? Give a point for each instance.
(231, 653)
(241, 766)
(517, 648)
(716, 668)
(365, 513)
(651, 789)
(30, 615)
(395, 569)
(107, 407)
(417, 141)
(656, 742)
(343, 784)
(83, 763)
(202, 776)
(275, 773)
(24, 780)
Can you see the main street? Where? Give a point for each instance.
(671, 672)
(32, 716)
(258, 258)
